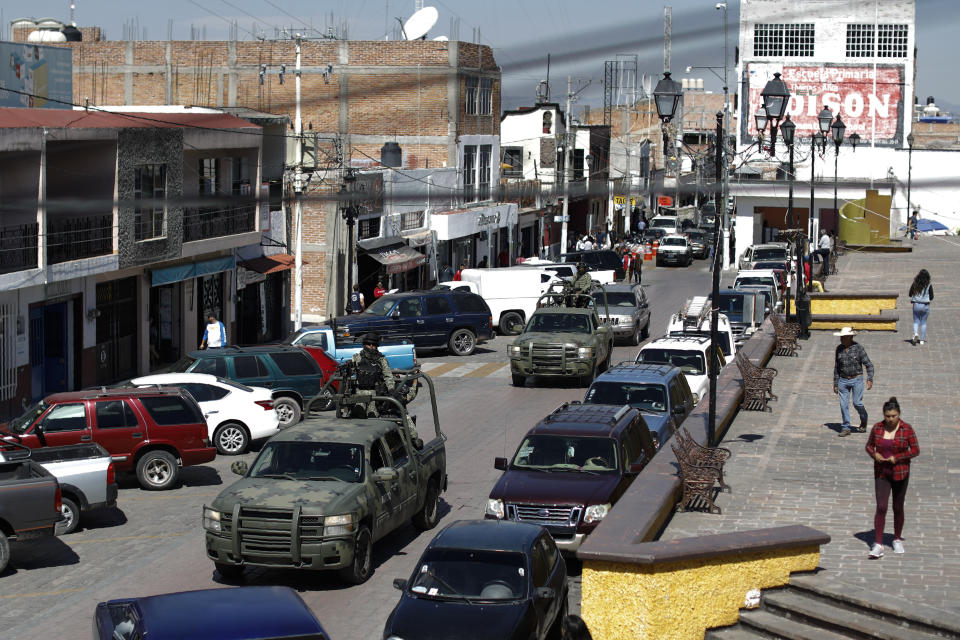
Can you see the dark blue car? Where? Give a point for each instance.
(457, 320)
(243, 613)
(483, 580)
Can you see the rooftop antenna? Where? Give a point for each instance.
(72, 7)
(417, 25)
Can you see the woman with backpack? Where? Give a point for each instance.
(921, 295)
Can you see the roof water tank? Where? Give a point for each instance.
(930, 100)
(700, 84)
(72, 34)
(391, 155)
(49, 23)
(46, 35)
(23, 23)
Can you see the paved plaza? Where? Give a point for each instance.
(789, 466)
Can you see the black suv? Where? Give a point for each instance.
(457, 320)
(597, 260)
(290, 373)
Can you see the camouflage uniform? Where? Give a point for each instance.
(386, 386)
(581, 285)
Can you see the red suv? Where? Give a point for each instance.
(153, 432)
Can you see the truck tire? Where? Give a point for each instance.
(635, 336)
(4, 551)
(511, 323)
(519, 380)
(288, 411)
(462, 342)
(71, 514)
(231, 439)
(157, 470)
(229, 572)
(429, 515)
(361, 568)
(646, 330)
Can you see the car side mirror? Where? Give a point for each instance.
(678, 410)
(240, 468)
(385, 474)
(395, 314)
(636, 467)
(399, 583)
(500, 464)
(545, 593)
(729, 286)
(696, 398)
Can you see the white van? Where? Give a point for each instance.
(670, 224)
(510, 292)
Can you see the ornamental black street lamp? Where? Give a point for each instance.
(789, 129)
(775, 96)
(910, 141)
(761, 119)
(836, 129)
(666, 96)
(350, 214)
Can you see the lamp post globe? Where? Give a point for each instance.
(825, 119)
(789, 130)
(838, 129)
(775, 97)
(761, 119)
(910, 139)
(855, 140)
(666, 96)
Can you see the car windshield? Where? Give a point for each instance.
(643, 396)
(464, 574)
(690, 362)
(696, 236)
(567, 453)
(773, 253)
(753, 280)
(19, 425)
(673, 242)
(310, 461)
(182, 365)
(235, 385)
(558, 323)
(380, 307)
(616, 299)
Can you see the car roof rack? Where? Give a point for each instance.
(695, 312)
(610, 415)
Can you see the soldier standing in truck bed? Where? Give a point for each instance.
(374, 374)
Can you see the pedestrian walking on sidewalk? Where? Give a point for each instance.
(892, 444)
(921, 295)
(849, 361)
(214, 334)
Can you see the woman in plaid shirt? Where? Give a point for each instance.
(892, 443)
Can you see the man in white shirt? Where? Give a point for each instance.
(215, 334)
(825, 251)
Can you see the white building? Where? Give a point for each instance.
(858, 59)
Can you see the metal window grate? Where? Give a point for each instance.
(774, 40)
(882, 40)
(8, 351)
(892, 41)
(860, 40)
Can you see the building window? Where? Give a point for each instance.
(485, 98)
(859, 40)
(209, 170)
(469, 172)
(512, 158)
(483, 191)
(150, 192)
(892, 41)
(368, 228)
(240, 184)
(411, 220)
(578, 164)
(471, 95)
(778, 40)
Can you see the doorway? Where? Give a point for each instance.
(116, 330)
(51, 354)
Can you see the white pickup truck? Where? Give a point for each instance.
(86, 476)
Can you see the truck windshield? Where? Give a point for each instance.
(646, 397)
(749, 280)
(731, 305)
(19, 425)
(772, 253)
(673, 242)
(380, 307)
(310, 461)
(464, 574)
(616, 299)
(558, 323)
(567, 453)
(690, 362)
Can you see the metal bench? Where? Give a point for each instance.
(698, 483)
(757, 384)
(703, 456)
(786, 335)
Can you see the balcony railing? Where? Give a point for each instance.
(18, 248)
(78, 238)
(202, 223)
(523, 192)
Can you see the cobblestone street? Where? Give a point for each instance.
(789, 466)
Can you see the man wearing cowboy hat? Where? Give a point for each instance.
(849, 361)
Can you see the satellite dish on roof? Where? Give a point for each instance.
(420, 23)
(441, 38)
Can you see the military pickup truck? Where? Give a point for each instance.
(321, 493)
(29, 500)
(564, 338)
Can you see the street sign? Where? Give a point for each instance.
(619, 200)
(561, 218)
(665, 201)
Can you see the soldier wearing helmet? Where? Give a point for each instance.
(373, 370)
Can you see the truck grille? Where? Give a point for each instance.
(545, 514)
(270, 531)
(552, 355)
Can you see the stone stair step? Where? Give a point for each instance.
(818, 611)
(946, 623)
(736, 632)
(773, 625)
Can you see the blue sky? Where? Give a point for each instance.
(579, 35)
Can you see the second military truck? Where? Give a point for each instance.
(321, 493)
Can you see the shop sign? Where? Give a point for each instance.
(489, 219)
(621, 200)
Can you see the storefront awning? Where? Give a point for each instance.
(180, 272)
(270, 264)
(396, 256)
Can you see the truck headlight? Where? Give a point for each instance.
(338, 525)
(211, 520)
(514, 349)
(585, 352)
(596, 512)
(495, 508)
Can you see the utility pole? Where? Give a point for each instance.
(299, 183)
(629, 190)
(715, 299)
(566, 169)
(725, 193)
